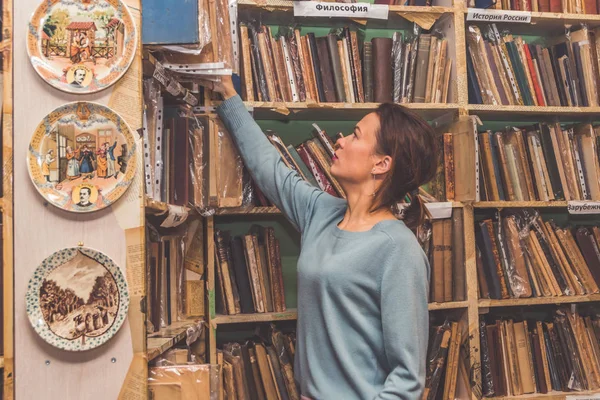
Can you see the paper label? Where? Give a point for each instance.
(441, 210)
(177, 216)
(329, 10)
(519, 17)
(160, 74)
(583, 207)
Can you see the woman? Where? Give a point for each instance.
(72, 164)
(363, 279)
(86, 166)
(48, 160)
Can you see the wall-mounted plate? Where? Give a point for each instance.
(81, 157)
(81, 46)
(77, 299)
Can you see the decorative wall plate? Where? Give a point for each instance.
(81, 157)
(77, 299)
(81, 46)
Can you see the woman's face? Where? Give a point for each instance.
(355, 157)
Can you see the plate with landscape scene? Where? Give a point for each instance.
(77, 299)
(81, 46)
(81, 157)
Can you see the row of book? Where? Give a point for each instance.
(341, 68)
(505, 70)
(249, 272)
(555, 6)
(521, 255)
(446, 368)
(260, 369)
(542, 162)
(446, 252)
(175, 271)
(523, 357)
(311, 159)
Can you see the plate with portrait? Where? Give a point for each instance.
(77, 299)
(81, 46)
(81, 157)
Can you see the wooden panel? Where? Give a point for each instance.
(43, 229)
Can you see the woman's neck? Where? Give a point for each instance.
(358, 216)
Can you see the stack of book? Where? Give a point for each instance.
(542, 162)
(504, 70)
(446, 364)
(523, 357)
(258, 369)
(446, 252)
(339, 68)
(249, 272)
(311, 159)
(520, 255)
(555, 6)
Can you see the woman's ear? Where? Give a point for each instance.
(383, 165)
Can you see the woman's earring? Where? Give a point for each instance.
(374, 184)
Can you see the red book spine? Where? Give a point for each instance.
(534, 77)
(316, 170)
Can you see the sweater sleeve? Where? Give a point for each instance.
(295, 197)
(405, 322)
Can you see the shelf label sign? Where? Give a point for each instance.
(482, 15)
(441, 210)
(345, 10)
(584, 397)
(583, 207)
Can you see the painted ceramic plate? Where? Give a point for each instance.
(77, 299)
(81, 46)
(82, 157)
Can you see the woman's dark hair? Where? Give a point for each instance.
(411, 143)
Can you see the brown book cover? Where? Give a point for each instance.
(458, 255)
(326, 69)
(422, 63)
(277, 373)
(489, 173)
(431, 66)
(357, 67)
(222, 246)
(267, 378)
(503, 164)
(437, 270)
(275, 61)
(447, 254)
(246, 65)
(496, 256)
(382, 71)
(254, 273)
(280, 69)
(229, 169)
(320, 157)
(306, 66)
(523, 359)
(368, 70)
(344, 64)
(449, 171)
(268, 67)
(336, 68)
(512, 240)
(285, 364)
(296, 59)
(229, 387)
(278, 287)
(239, 377)
(484, 291)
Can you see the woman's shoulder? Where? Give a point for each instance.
(399, 239)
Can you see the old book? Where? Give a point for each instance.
(276, 59)
(258, 68)
(368, 69)
(511, 232)
(320, 157)
(488, 168)
(397, 66)
(296, 59)
(285, 365)
(316, 61)
(347, 40)
(307, 69)
(254, 273)
(241, 274)
(452, 362)
(504, 169)
(449, 171)
(239, 377)
(458, 256)
(357, 67)
(382, 82)
(222, 244)
(590, 250)
(255, 392)
(437, 355)
(439, 83)
(246, 64)
(315, 169)
(289, 69)
(491, 245)
(278, 288)
(336, 67)
(573, 282)
(447, 254)
(277, 373)
(446, 85)
(326, 70)
(482, 281)
(422, 62)
(465, 161)
(346, 54)
(267, 378)
(346, 80)
(437, 270)
(523, 358)
(434, 49)
(229, 167)
(229, 387)
(269, 68)
(587, 136)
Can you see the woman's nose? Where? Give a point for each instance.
(340, 142)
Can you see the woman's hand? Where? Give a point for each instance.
(225, 87)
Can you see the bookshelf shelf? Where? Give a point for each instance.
(485, 303)
(519, 204)
(320, 111)
(288, 6)
(288, 315)
(549, 396)
(448, 305)
(532, 113)
(166, 338)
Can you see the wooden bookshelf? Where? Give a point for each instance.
(323, 111)
(531, 113)
(166, 338)
(450, 305)
(554, 395)
(288, 315)
(488, 303)
(519, 204)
